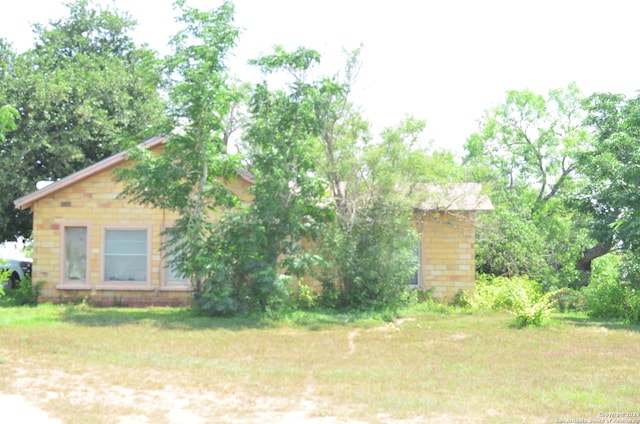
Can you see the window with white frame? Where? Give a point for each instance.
(75, 254)
(126, 255)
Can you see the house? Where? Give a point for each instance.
(447, 253)
(89, 243)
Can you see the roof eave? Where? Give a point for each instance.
(27, 201)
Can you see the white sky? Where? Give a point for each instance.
(444, 61)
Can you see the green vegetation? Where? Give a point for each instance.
(561, 169)
(82, 364)
(83, 92)
(520, 296)
(25, 293)
(320, 179)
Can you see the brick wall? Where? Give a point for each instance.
(447, 246)
(448, 253)
(93, 203)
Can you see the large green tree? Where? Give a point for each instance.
(374, 183)
(189, 177)
(526, 151)
(611, 169)
(83, 92)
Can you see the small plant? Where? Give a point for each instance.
(4, 276)
(533, 313)
(306, 297)
(409, 297)
(461, 299)
(26, 292)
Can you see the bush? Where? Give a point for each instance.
(614, 300)
(461, 299)
(632, 309)
(605, 299)
(533, 312)
(4, 276)
(568, 299)
(26, 292)
(306, 297)
(371, 264)
(518, 295)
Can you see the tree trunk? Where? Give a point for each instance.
(588, 255)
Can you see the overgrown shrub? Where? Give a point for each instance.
(613, 291)
(519, 295)
(605, 299)
(371, 263)
(613, 299)
(306, 298)
(412, 296)
(330, 294)
(533, 311)
(632, 309)
(26, 292)
(461, 299)
(568, 299)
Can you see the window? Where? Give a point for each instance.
(126, 255)
(171, 275)
(75, 254)
(414, 282)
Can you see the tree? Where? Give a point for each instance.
(190, 176)
(526, 150)
(84, 92)
(610, 166)
(370, 243)
(8, 116)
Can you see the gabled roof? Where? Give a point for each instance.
(453, 197)
(27, 201)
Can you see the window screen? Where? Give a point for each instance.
(125, 255)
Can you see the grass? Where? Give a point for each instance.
(82, 364)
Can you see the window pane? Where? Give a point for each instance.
(417, 261)
(130, 242)
(75, 254)
(125, 257)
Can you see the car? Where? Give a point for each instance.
(18, 268)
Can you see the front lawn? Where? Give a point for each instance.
(81, 364)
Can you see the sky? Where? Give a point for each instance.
(443, 61)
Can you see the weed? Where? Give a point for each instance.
(26, 292)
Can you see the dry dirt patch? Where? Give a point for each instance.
(173, 405)
(15, 409)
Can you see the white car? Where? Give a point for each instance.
(18, 267)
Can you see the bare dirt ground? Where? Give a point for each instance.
(165, 405)
(38, 393)
(15, 409)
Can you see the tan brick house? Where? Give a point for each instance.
(87, 242)
(446, 220)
